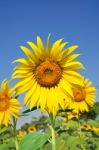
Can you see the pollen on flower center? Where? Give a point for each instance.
(4, 103)
(79, 94)
(48, 73)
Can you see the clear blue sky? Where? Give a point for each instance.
(75, 20)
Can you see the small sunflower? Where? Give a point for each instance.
(96, 129)
(31, 129)
(46, 74)
(84, 97)
(86, 127)
(8, 104)
(21, 134)
(72, 115)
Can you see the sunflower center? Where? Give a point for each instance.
(4, 103)
(79, 94)
(48, 73)
(32, 129)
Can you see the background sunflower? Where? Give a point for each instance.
(8, 104)
(84, 97)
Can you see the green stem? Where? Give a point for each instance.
(80, 134)
(53, 138)
(17, 144)
(15, 133)
(52, 127)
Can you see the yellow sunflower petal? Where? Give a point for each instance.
(35, 97)
(42, 99)
(30, 93)
(24, 81)
(73, 79)
(70, 49)
(2, 114)
(40, 43)
(91, 89)
(27, 52)
(6, 118)
(24, 61)
(66, 87)
(48, 46)
(73, 65)
(22, 88)
(36, 51)
(55, 48)
(73, 73)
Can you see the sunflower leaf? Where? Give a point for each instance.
(65, 110)
(33, 141)
(29, 110)
(3, 129)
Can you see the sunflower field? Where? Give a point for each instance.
(50, 79)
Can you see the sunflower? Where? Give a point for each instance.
(46, 74)
(84, 97)
(31, 129)
(86, 127)
(72, 115)
(21, 134)
(8, 104)
(96, 129)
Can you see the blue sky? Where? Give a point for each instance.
(76, 21)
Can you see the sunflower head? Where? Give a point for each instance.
(96, 129)
(31, 129)
(86, 127)
(72, 115)
(21, 134)
(83, 96)
(4, 102)
(79, 94)
(46, 75)
(8, 104)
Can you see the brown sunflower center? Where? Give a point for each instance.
(48, 73)
(79, 94)
(74, 113)
(4, 103)
(32, 129)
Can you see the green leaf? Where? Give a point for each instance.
(33, 141)
(97, 117)
(65, 110)
(16, 96)
(23, 115)
(93, 122)
(72, 142)
(29, 110)
(72, 124)
(3, 129)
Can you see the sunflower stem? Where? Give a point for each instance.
(15, 133)
(52, 128)
(79, 126)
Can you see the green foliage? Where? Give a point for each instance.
(7, 144)
(94, 123)
(69, 134)
(3, 129)
(33, 141)
(96, 108)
